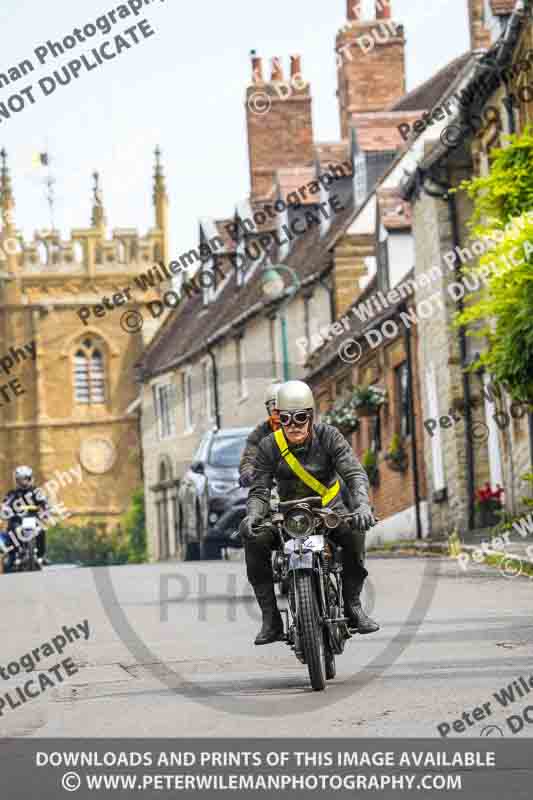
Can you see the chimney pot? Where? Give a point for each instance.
(296, 66)
(383, 9)
(277, 70)
(354, 10)
(257, 68)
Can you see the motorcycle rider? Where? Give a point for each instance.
(324, 454)
(17, 500)
(246, 467)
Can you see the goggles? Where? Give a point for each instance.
(299, 418)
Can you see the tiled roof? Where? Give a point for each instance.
(428, 93)
(186, 332)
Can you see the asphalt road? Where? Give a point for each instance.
(170, 653)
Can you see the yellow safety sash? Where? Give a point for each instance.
(325, 492)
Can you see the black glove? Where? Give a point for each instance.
(246, 527)
(364, 517)
(246, 479)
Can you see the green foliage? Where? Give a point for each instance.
(507, 191)
(342, 415)
(503, 312)
(93, 545)
(369, 462)
(372, 396)
(135, 528)
(90, 545)
(369, 459)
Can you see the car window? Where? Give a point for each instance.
(226, 451)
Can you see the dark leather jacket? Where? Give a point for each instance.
(9, 509)
(326, 455)
(252, 445)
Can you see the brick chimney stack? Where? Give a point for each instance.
(479, 33)
(279, 123)
(370, 62)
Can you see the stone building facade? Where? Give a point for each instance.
(477, 438)
(76, 383)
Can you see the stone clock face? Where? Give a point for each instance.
(97, 455)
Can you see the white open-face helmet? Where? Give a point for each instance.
(271, 396)
(23, 476)
(295, 396)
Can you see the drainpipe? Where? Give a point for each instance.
(215, 386)
(412, 423)
(331, 292)
(444, 194)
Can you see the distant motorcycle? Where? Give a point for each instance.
(25, 557)
(309, 563)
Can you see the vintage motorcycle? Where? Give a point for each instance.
(309, 563)
(25, 557)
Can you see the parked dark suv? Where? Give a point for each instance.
(209, 488)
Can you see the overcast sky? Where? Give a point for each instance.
(183, 88)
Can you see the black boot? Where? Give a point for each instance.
(272, 630)
(354, 574)
(358, 620)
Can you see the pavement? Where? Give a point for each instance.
(170, 653)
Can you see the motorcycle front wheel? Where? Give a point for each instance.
(310, 630)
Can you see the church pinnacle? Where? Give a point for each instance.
(160, 192)
(98, 216)
(7, 202)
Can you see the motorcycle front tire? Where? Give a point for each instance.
(311, 633)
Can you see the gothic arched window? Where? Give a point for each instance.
(89, 373)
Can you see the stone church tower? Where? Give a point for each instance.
(67, 382)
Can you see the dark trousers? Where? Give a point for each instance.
(258, 553)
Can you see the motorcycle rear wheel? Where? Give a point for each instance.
(310, 630)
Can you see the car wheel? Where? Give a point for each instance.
(211, 551)
(192, 551)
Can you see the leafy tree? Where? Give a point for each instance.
(135, 528)
(503, 312)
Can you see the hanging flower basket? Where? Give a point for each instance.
(368, 400)
(396, 457)
(342, 415)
